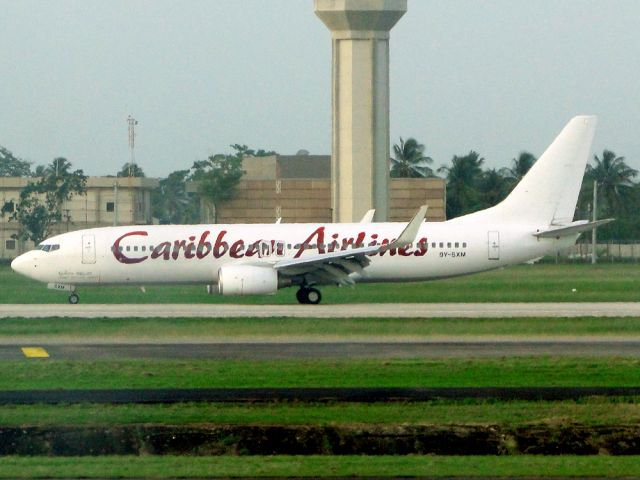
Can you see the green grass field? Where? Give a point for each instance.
(588, 411)
(521, 283)
(506, 372)
(319, 466)
(50, 330)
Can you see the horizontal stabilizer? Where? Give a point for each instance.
(572, 228)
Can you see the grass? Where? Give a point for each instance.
(522, 283)
(65, 374)
(319, 466)
(589, 411)
(48, 330)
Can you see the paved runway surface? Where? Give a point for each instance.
(378, 310)
(326, 350)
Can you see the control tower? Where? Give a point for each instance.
(360, 98)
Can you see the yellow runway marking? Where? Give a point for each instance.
(35, 352)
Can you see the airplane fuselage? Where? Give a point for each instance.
(144, 255)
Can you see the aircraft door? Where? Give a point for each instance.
(493, 241)
(88, 249)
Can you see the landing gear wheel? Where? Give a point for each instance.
(314, 296)
(308, 296)
(74, 298)
(301, 295)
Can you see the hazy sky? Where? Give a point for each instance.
(496, 76)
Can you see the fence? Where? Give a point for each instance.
(610, 251)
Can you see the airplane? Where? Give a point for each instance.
(536, 219)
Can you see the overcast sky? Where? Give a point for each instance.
(496, 76)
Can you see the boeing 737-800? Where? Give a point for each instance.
(536, 219)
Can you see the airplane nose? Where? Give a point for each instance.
(22, 264)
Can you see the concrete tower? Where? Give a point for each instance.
(360, 151)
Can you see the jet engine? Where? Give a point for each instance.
(247, 280)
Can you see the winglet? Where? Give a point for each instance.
(410, 232)
(368, 217)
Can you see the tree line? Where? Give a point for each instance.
(469, 187)
(40, 204)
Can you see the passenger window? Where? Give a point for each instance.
(464, 244)
(135, 249)
(144, 248)
(128, 248)
(457, 245)
(441, 245)
(433, 244)
(448, 244)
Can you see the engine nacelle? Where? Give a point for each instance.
(247, 280)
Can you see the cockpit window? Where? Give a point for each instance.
(48, 247)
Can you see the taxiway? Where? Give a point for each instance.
(375, 310)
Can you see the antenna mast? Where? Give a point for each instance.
(132, 122)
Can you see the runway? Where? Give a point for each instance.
(322, 350)
(377, 310)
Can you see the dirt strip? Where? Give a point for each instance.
(321, 440)
(252, 395)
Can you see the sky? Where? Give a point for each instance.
(497, 76)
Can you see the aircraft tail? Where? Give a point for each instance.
(548, 193)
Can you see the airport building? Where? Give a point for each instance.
(297, 189)
(108, 201)
(294, 188)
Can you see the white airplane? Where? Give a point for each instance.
(536, 219)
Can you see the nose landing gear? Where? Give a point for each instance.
(308, 296)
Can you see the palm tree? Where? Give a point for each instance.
(59, 167)
(615, 181)
(409, 160)
(171, 201)
(519, 167)
(494, 187)
(463, 178)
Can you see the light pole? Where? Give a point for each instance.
(594, 255)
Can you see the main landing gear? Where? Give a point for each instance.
(74, 298)
(308, 296)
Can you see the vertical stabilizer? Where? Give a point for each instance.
(548, 193)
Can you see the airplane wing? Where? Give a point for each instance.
(573, 228)
(336, 267)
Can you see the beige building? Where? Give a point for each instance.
(108, 201)
(297, 189)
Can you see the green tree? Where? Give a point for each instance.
(409, 160)
(131, 170)
(40, 204)
(12, 166)
(217, 178)
(519, 167)
(615, 181)
(493, 187)
(171, 202)
(463, 177)
(244, 151)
